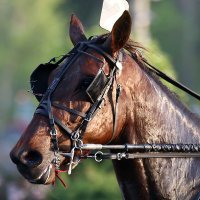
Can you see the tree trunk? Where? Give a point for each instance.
(141, 14)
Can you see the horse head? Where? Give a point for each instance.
(102, 92)
(78, 105)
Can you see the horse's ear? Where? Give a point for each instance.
(120, 34)
(76, 30)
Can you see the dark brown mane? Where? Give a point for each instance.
(131, 46)
(135, 49)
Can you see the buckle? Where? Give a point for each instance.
(119, 61)
(88, 117)
(119, 65)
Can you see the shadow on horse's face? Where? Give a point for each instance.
(33, 154)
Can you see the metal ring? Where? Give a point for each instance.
(78, 144)
(119, 156)
(98, 155)
(53, 132)
(75, 136)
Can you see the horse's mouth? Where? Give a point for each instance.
(43, 177)
(48, 174)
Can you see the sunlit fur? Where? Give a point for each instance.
(157, 116)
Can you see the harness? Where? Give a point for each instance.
(96, 96)
(97, 91)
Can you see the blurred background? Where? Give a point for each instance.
(33, 31)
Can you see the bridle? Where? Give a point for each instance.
(76, 136)
(46, 104)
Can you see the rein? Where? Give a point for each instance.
(123, 151)
(143, 151)
(169, 79)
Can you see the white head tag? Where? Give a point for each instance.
(111, 11)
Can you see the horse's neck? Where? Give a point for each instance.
(158, 116)
(155, 116)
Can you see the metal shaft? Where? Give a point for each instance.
(146, 147)
(100, 156)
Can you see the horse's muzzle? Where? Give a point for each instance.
(28, 158)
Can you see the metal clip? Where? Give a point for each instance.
(56, 160)
(75, 136)
(78, 144)
(98, 156)
(119, 156)
(53, 132)
(71, 161)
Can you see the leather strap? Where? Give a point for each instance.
(167, 78)
(72, 111)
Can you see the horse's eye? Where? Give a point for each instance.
(86, 82)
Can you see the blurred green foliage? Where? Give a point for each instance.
(167, 16)
(31, 32)
(90, 180)
(175, 25)
(159, 59)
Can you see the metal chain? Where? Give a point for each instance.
(54, 140)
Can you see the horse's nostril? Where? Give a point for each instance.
(14, 157)
(31, 158)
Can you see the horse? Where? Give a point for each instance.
(147, 112)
